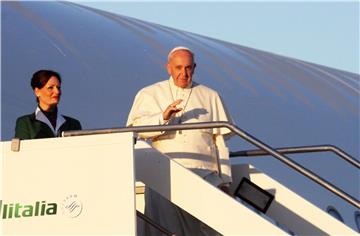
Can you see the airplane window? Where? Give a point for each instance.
(357, 219)
(332, 211)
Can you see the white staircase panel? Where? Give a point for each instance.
(291, 210)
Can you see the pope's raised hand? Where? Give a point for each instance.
(171, 110)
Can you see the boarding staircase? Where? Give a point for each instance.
(99, 157)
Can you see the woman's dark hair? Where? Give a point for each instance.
(41, 77)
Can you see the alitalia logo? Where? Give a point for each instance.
(71, 207)
(17, 210)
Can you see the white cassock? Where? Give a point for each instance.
(194, 149)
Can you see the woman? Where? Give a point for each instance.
(45, 122)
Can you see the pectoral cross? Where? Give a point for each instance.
(180, 131)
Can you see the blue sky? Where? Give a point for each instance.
(323, 32)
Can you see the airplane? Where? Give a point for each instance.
(105, 58)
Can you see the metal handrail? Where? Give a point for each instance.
(153, 224)
(239, 132)
(303, 149)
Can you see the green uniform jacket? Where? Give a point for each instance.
(27, 127)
